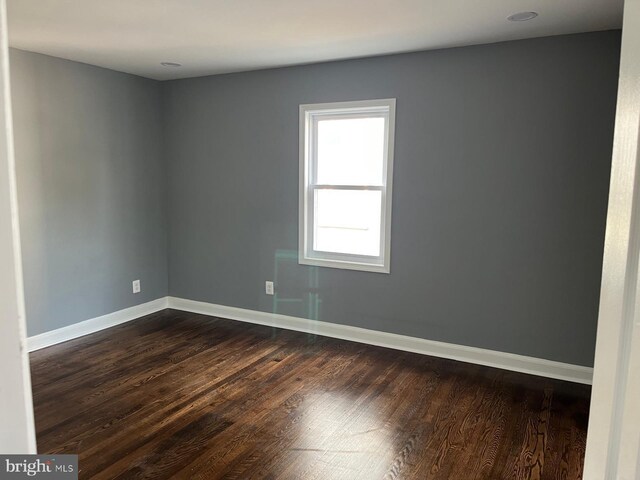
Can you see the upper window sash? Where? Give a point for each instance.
(353, 113)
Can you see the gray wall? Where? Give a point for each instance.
(500, 191)
(91, 187)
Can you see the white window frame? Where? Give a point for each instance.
(309, 115)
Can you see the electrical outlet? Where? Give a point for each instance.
(136, 286)
(268, 288)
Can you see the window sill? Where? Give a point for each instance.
(344, 265)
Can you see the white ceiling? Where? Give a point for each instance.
(219, 36)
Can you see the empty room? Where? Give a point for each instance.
(320, 240)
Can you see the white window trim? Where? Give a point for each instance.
(307, 256)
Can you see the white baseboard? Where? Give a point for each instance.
(95, 324)
(480, 356)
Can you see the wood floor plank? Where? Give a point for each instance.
(179, 395)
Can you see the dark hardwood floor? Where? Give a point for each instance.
(178, 395)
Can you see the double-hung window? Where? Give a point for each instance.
(346, 166)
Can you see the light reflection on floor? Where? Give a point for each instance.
(339, 439)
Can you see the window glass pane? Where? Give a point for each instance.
(350, 151)
(348, 221)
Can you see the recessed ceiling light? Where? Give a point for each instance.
(170, 64)
(522, 16)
